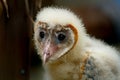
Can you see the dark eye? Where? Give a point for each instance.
(61, 37)
(42, 34)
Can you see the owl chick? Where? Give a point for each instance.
(68, 52)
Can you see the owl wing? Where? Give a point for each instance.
(90, 72)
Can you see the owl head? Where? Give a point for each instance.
(56, 32)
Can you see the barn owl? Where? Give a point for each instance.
(68, 52)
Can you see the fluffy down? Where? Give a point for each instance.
(89, 59)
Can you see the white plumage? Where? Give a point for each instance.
(72, 54)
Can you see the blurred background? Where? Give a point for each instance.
(18, 58)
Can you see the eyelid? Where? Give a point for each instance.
(58, 33)
(42, 29)
(61, 32)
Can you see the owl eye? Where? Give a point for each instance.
(42, 34)
(61, 36)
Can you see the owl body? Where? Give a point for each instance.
(68, 52)
(99, 62)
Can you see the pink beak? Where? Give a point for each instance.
(46, 56)
(46, 52)
(49, 50)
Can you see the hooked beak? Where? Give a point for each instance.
(48, 51)
(46, 56)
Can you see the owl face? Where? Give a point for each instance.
(53, 41)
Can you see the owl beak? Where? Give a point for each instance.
(46, 57)
(46, 53)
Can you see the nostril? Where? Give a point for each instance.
(48, 53)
